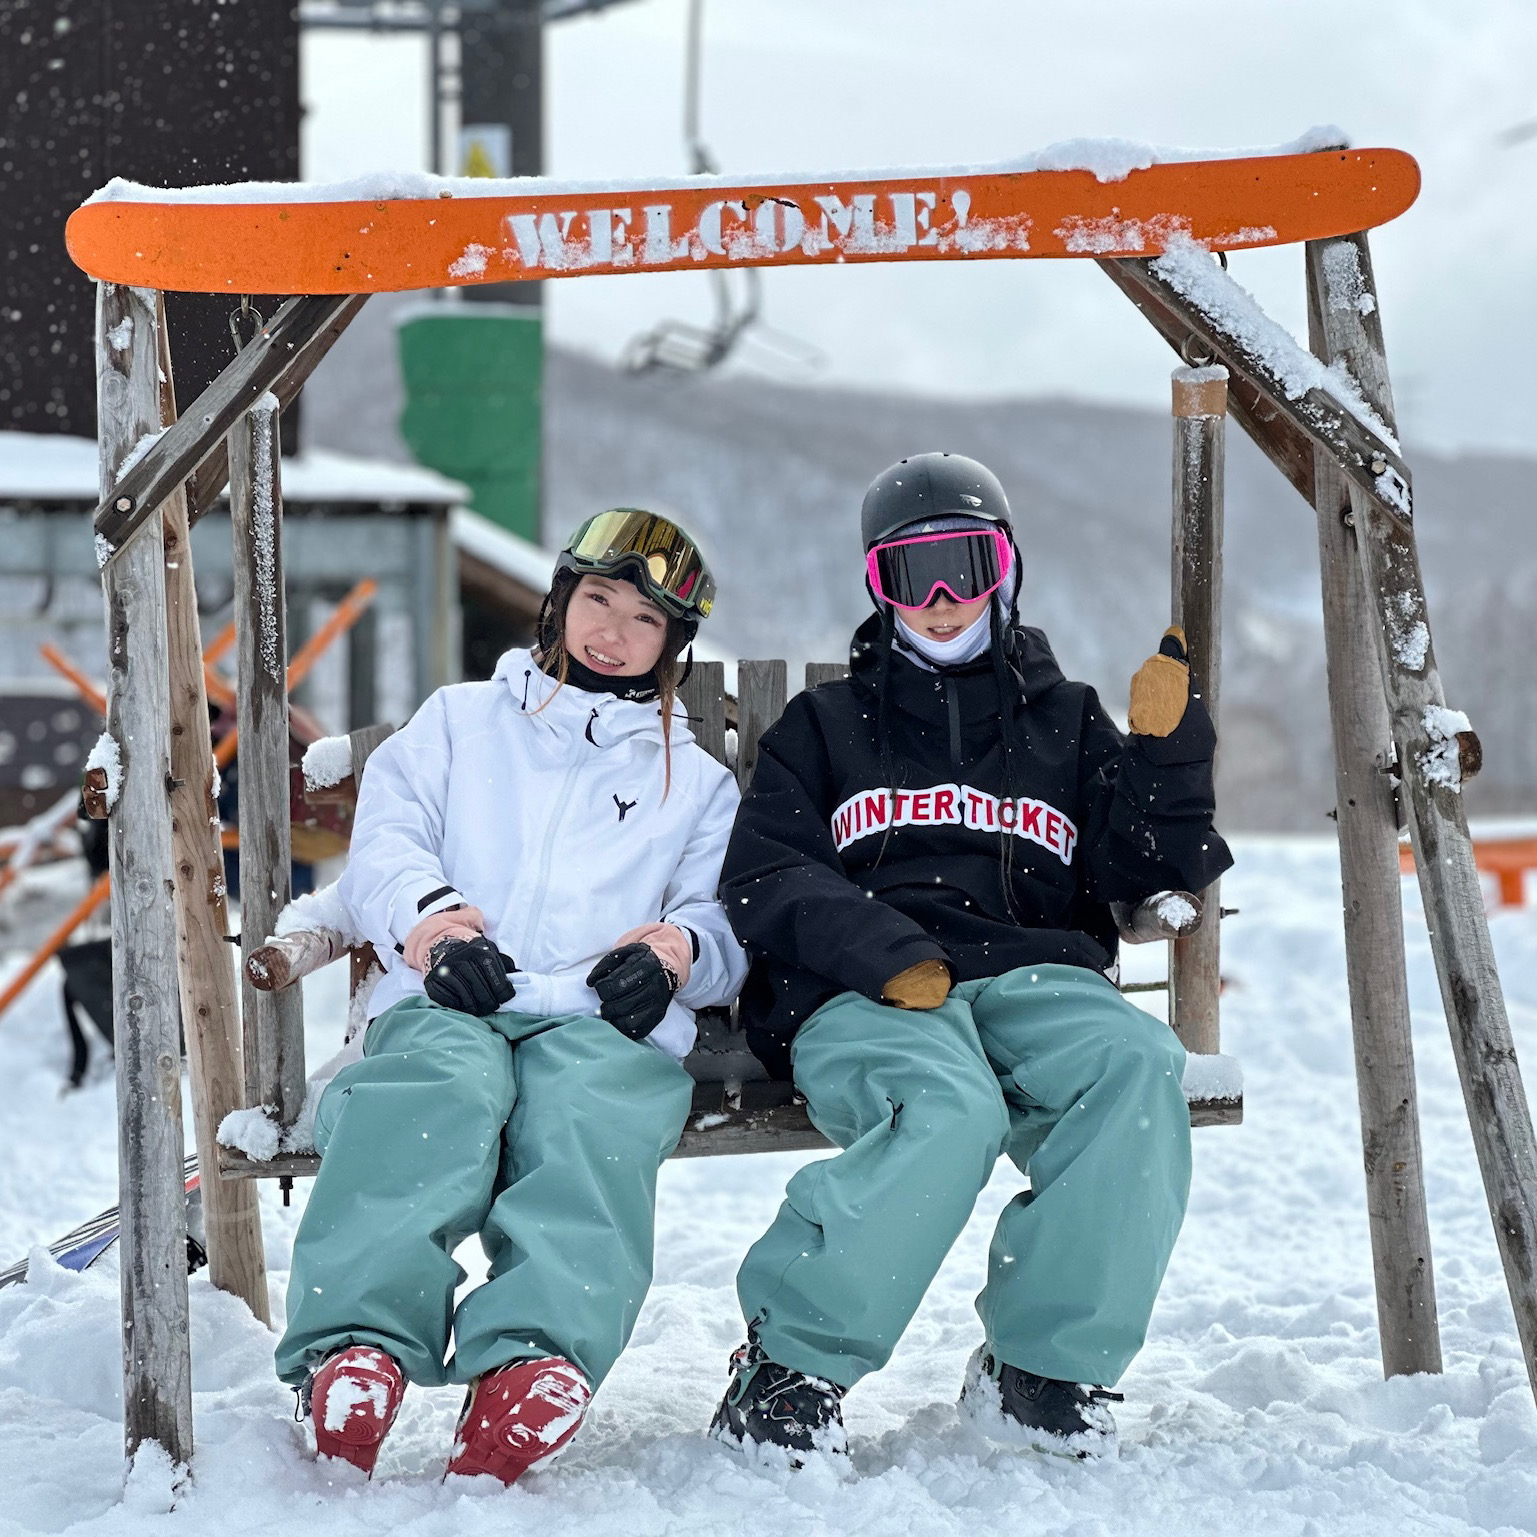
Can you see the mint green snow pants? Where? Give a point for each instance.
(1049, 1064)
(542, 1135)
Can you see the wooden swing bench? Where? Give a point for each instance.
(737, 1107)
(1322, 413)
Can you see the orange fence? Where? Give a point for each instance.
(1506, 859)
(347, 613)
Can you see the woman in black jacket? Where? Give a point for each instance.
(922, 872)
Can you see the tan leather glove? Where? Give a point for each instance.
(1161, 689)
(924, 986)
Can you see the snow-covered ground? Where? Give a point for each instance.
(1257, 1406)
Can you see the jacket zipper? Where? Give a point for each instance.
(546, 852)
(953, 710)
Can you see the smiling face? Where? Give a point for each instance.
(612, 629)
(944, 618)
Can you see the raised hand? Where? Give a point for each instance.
(1161, 689)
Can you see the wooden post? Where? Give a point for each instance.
(363, 671)
(1498, 1112)
(361, 743)
(157, 1363)
(704, 697)
(825, 672)
(1367, 822)
(1200, 419)
(210, 1007)
(273, 1022)
(760, 701)
(279, 358)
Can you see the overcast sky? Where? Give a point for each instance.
(810, 85)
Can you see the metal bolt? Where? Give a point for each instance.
(1379, 465)
(124, 504)
(1196, 353)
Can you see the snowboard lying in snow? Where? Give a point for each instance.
(414, 232)
(80, 1249)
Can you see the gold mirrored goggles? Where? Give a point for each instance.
(668, 562)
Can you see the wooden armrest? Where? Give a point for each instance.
(1164, 915)
(342, 789)
(282, 961)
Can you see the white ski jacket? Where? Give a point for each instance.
(554, 825)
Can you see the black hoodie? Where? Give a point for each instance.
(838, 877)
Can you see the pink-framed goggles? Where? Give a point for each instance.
(965, 564)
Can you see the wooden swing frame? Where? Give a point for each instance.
(170, 920)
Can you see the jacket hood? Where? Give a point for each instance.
(568, 710)
(1030, 660)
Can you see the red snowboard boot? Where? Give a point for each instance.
(354, 1396)
(518, 1418)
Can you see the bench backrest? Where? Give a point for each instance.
(761, 693)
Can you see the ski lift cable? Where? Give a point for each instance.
(680, 346)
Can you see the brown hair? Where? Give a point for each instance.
(553, 658)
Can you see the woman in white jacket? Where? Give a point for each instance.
(535, 859)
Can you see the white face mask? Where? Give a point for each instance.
(962, 648)
(955, 652)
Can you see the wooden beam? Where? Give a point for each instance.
(157, 1364)
(1200, 408)
(287, 958)
(818, 673)
(210, 1007)
(135, 495)
(361, 743)
(212, 475)
(760, 701)
(1366, 819)
(1368, 460)
(703, 695)
(273, 1023)
(753, 1117)
(1454, 908)
(1286, 446)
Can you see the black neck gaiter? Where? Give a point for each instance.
(639, 687)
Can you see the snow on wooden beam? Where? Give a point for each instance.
(1208, 318)
(212, 475)
(159, 462)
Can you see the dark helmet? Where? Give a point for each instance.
(931, 486)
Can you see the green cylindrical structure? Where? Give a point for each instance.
(474, 377)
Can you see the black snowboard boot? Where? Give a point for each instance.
(1067, 1419)
(771, 1405)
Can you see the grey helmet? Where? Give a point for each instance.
(931, 486)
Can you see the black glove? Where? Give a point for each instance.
(635, 988)
(469, 975)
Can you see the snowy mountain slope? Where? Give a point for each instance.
(771, 476)
(1257, 1406)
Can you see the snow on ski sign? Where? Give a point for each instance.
(282, 239)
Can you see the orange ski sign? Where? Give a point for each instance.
(213, 240)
